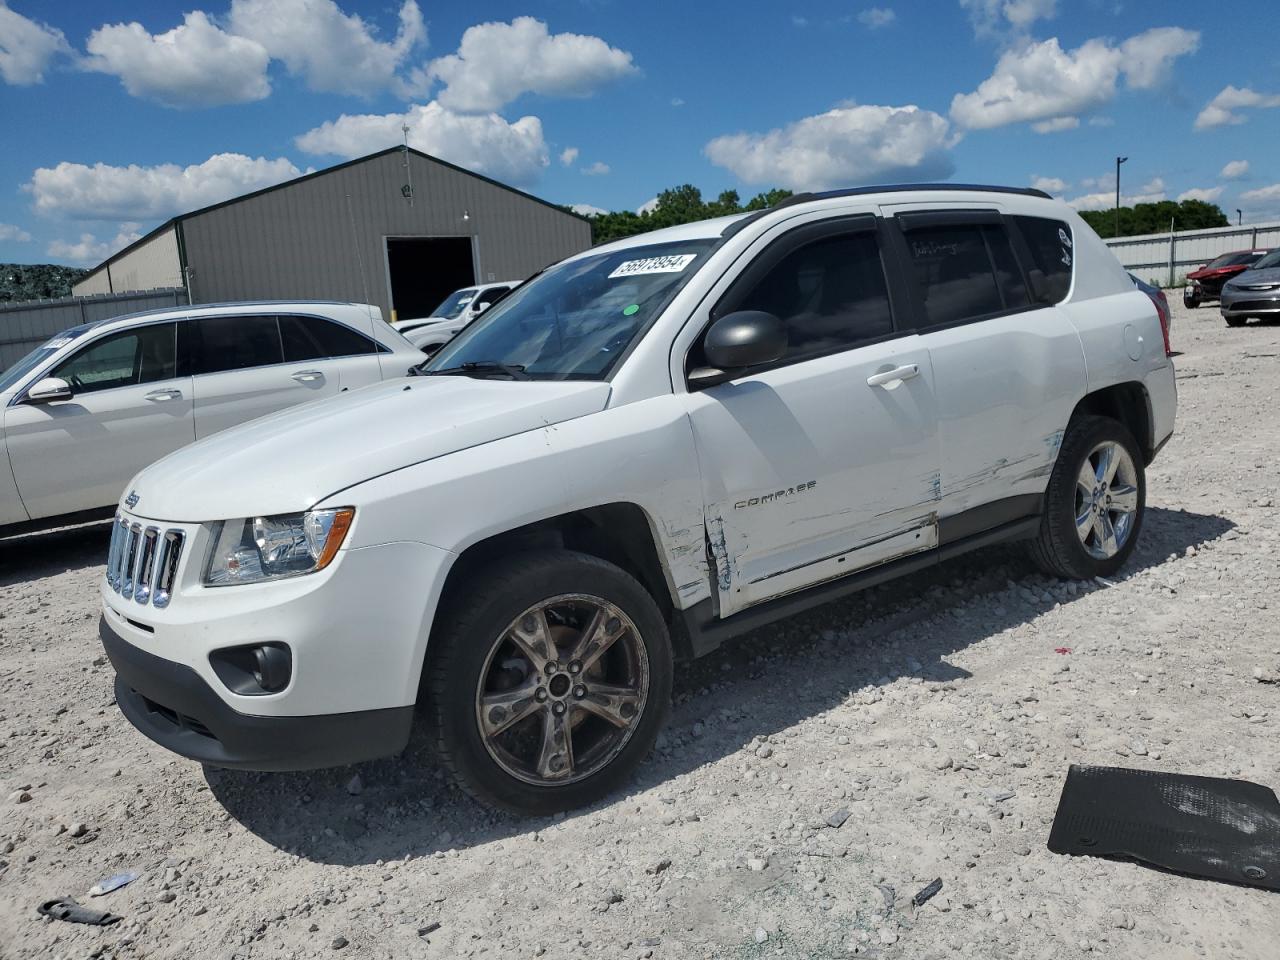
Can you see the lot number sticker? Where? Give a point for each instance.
(634, 268)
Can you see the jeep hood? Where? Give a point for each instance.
(288, 461)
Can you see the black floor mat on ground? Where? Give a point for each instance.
(1202, 826)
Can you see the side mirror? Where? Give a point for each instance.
(49, 390)
(745, 338)
(483, 307)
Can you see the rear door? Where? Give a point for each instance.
(128, 409)
(334, 353)
(1008, 366)
(239, 371)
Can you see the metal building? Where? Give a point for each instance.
(398, 228)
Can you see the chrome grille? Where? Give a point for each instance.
(142, 561)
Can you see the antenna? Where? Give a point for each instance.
(407, 190)
(355, 242)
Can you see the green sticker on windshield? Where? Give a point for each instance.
(631, 310)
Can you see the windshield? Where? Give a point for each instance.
(1272, 259)
(454, 304)
(37, 356)
(576, 320)
(1232, 260)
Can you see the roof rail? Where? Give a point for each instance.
(903, 187)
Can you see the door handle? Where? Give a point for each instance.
(308, 376)
(159, 396)
(897, 374)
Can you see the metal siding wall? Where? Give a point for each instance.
(1147, 256)
(303, 241)
(24, 326)
(152, 266)
(96, 282)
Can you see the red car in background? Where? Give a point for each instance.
(1206, 283)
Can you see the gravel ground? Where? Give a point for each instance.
(909, 707)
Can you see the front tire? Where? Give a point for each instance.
(548, 681)
(1095, 502)
(1191, 302)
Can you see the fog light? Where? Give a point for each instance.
(254, 670)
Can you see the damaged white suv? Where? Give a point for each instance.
(644, 449)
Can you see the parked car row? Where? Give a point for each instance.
(458, 310)
(645, 449)
(1246, 284)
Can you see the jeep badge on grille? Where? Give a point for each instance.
(131, 500)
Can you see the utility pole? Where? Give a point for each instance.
(1239, 218)
(1119, 160)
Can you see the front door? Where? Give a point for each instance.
(128, 409)
(827, 462)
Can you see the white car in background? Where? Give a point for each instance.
(458, 310)
(86, 411)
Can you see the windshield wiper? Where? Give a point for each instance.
(472, 367)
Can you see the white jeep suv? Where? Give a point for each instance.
(647, 448)
(87, 410)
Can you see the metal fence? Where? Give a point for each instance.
(1165, 259)
(26, 325)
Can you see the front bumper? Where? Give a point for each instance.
(174, 706)
(1250, 303)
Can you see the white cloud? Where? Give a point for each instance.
(1235, 170)
(105, 192)
(333, 51)
(1056, 125)
(89, 249)
(876, 17)
(511, 151)
(27, 47)
(568, 156)
(1222, 109)
(1049, 184)
(647, 207)
(1264, 202)
(9, 231)
(192, 65)
(1152, 186)
(1207, 194)
(498, 62)
(1102, 121)
(990, 17)
(677, 101)
(1152, 192)
(1043, 82)
(587, 210)
(596, 169)
(850, 144)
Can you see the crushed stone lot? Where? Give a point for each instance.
(814, 776)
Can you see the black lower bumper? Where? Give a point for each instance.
(174, 706)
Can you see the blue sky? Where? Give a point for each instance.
(117, 115)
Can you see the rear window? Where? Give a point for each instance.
(1052, 254)
(314, 338)
(215, 344)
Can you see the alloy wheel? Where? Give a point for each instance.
(1106, 502)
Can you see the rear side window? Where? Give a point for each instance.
(963, 271)
(315, 338)
(831, 293)
(1052, 254)
(131, 357)
(215, 344)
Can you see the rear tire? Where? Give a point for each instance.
(536, 727)
(1090, 529)
(1235, 321)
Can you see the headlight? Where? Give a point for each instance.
(271, 548)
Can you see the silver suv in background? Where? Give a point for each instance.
(457, 310)
(83, 413)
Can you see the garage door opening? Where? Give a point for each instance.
(425, 270)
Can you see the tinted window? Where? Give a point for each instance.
(141, 355)
(963, 271)
(1052, 254)
(314, 338)
(831, 294)
(232, 343)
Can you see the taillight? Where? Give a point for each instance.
(1162, 310)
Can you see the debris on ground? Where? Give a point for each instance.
(113, 882)
(72, 912)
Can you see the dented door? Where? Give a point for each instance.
(811, 472)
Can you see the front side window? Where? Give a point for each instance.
(124, 359)
(831, 294)
(964, 271)
(215, 344)
(577, 319)
(315, 338)
(1052, 254)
